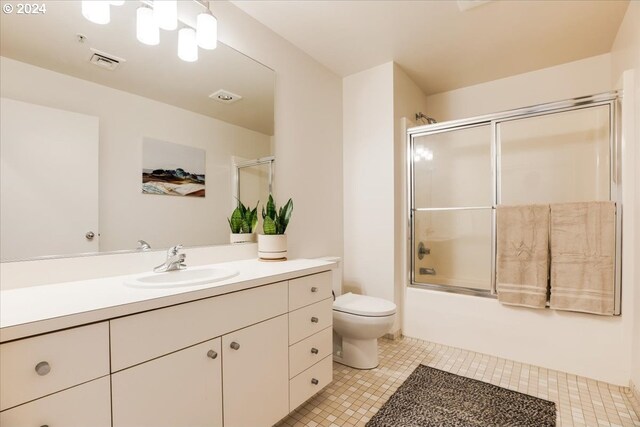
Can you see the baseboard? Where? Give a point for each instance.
(634, 397)
(393, 335)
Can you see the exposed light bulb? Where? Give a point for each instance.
(165, 12)
(187, 45)
(207, 31)
(98, 12)
(147, 31)
(116, 2)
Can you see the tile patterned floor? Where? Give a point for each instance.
(355, 396)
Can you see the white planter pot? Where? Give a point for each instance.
(242, 237)
(272, 246)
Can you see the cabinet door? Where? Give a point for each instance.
(256, 384)
(180, 389)
(81, 406)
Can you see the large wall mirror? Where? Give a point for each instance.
(106, 141)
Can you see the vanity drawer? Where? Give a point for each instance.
(62, 359)
(306, 321)
(310, 382)
(309, 289)
(81, 406)
(145, 336)
(310, 351)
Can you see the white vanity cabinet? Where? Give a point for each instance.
(310, 336)
(255, 368)
(57, 379)
(244, 358)
(185, 388)
(80, 406)
(180, 389)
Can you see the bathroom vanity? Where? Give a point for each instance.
(240, 352)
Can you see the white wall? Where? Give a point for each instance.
(408, 99)
(125, 214)
(583, 77)
(625, 55)
(593, 346)
(308, 132)
(369, 191)
(375, 102)
(307, 141)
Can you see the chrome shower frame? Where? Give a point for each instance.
(270, 160)
(612, 99)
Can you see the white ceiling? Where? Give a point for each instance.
(440, 47)
(49, 41)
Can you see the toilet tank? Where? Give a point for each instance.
(337, 273)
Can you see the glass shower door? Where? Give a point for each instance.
(459, 174)
(452, 208)
(555, 158)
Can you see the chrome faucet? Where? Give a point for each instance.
(175, 260)
(143, 246)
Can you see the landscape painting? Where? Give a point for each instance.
(172, 169)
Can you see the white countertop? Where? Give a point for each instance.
(45, 308)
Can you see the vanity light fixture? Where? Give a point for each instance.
(207, 30)
(154, 15)
(165, 12)
(98, 12)
(187, 44)
(147, 31)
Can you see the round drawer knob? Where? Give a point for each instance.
(314, 381)
(314, 320)
(234, 345)
(212, 354)
(314, 350)
(43, 368)
(314, 289)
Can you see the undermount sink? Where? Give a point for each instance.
(187, 277)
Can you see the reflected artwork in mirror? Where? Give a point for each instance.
(73, 131)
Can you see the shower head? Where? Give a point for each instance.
(422, 116)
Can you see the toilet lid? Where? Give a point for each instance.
(363, 305)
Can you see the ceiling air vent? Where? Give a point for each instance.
(225, 96)
(105, 60)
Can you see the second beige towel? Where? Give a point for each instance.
(582, 256)
(522, 261)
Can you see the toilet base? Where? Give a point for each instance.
(359, 354)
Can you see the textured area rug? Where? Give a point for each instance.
(434, 398)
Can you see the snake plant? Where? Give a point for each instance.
(243, 219)
(275, 222)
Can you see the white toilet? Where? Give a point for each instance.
(359, 321)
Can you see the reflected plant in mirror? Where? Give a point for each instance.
(243, 223)
(87, 122)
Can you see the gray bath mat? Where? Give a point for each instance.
(434, 398)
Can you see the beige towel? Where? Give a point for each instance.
(522, 261)
(583, 249)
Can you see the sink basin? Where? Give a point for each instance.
(173, 279)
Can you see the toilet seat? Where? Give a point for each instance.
(361, 305)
